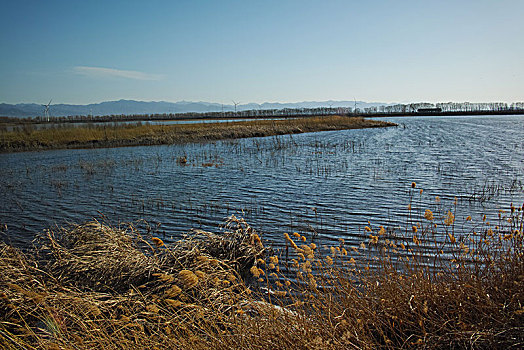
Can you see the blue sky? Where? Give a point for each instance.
(256, 51)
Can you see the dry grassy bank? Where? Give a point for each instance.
(96, 286)
(134, 135)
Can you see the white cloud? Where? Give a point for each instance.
(112, 72)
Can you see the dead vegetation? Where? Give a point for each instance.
(142, 134)
(96, 286)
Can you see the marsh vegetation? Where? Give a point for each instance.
(97, 136)
(327, 243)
(94, 285)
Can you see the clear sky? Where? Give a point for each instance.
(256, 51)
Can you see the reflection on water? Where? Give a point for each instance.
(328, 184)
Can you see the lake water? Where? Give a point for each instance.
(331, 183)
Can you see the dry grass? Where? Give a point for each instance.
(437, 285)
(140, 134)
(95, 285)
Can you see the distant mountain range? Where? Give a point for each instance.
(140, 107)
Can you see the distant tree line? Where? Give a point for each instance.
(447, 107)
(397, 109)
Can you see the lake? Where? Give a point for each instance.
(327, 184)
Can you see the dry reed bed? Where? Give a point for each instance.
(98, 286)
(140, 134)
(95, 284)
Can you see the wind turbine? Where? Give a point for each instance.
(355, 109)
(46, 110)
(235, 103)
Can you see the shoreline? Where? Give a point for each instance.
(242, 115)
(94, 285)
(147, 135)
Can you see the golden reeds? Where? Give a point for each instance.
(143, 134)
(96, 286)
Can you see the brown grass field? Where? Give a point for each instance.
(29, 138)
(439, 285)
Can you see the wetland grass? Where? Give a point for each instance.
(144, 134)
(437, 284)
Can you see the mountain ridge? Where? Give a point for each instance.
(124, 106)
